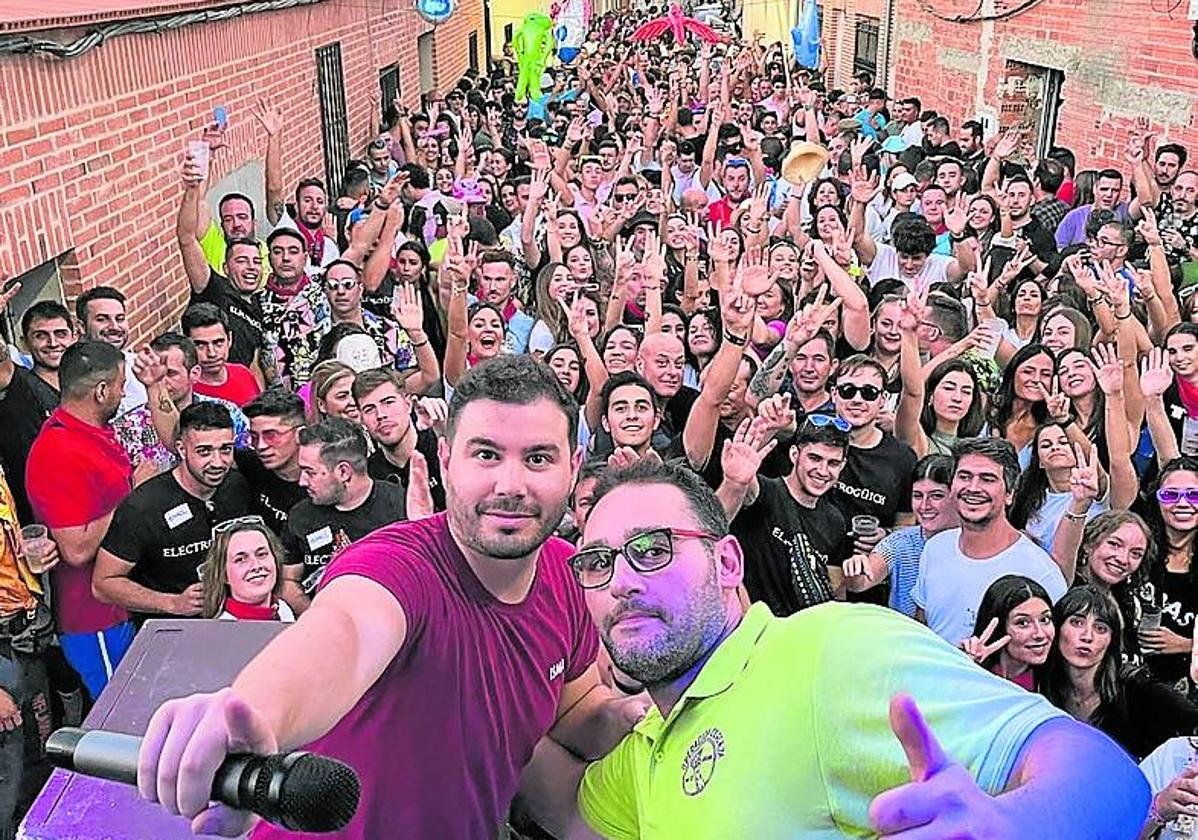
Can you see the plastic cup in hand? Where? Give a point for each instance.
(1150, 619)
(865, 525)
(199, 154)
(994, 330)
(37, 546)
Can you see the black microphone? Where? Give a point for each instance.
(299, 791)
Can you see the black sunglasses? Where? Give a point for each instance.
(869, 393)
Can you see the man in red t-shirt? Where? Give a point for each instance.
(438, 654)
(208, 327)
(76, 476)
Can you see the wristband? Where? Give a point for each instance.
(382, 206)
(1066, 423)
(1119, 317)
(1075, 517)
(739, 341)
(418, 343)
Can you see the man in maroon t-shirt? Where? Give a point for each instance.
(437, 654)
(208, 326)
(76, 475)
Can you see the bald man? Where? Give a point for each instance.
(694, 200)
(661, 360)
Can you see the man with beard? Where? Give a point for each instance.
(480, 596)
(737, 182)
(496, 286)
(76, 476)
(793, 536)
(307, 216)
(233, 291)
(401, 448)
(344, 503)
(100, 314)
(661, 574)
(28, 396)
(1020, 194)
(1179, 226)
(151, 559)
(1108, 186)
(958, 565)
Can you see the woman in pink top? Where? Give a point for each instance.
(1014, 630)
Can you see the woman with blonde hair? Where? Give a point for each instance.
(330, 394)
(243, 574)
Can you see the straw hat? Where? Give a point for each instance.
(804, 163)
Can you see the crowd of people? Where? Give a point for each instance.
(950, 375)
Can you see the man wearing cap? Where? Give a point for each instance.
(904, 194)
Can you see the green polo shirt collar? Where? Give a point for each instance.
(718, 673)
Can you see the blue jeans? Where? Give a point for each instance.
(95, 655)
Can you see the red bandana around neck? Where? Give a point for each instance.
(252, 612)
(314, 238)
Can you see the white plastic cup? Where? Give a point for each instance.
(200, 154)
(37, 546)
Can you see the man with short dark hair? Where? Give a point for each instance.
(906, 122)
(100, 313)
(76, 476)
(1049, 210)
(344, 503)
(207, 326)
(793, 536)
(958, 565)
(272, 468)
(386, 412)
(1108, 186)
(497, 286)
(629, 413)
(27, 397)
(151, 559)
(970, 137)
(937, 139)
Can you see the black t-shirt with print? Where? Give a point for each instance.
(245, 316)
(24, 406)
(876, 481)
(316, 532)
(1040, 239)
(380, 301)
(165, 532)
(380, 469)
(788, 548)
(273, 496)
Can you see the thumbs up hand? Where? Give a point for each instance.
(942, 799)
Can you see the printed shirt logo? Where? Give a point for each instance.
(556, 669)
(699, 764)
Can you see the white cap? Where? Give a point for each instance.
(359, 352)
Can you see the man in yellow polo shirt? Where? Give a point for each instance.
(779, 728)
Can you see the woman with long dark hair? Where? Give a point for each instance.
(1018, 406)
(1085, 676)
(1014, 631)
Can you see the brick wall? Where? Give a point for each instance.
(92, 145)
(1119, 59)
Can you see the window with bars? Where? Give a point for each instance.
(334, 124)
(473, 47)
(388, 86)
(865, 50)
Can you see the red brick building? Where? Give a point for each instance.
(93, 143)
(1077, 72)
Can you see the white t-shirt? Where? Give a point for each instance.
(135, 392)
(885, 266)
(950, 585)
(1042, 525)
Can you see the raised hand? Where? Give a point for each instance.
(776, 413)
(980, 647)
(743, 454)
(431, 413)
(193, 174)
(149, 367)
(808, 320)
(6, 295)
(956, 218)
(720, 248)
(1155, 374)
(625, 456)
(752, 276)
(1108, 369)
(654, 262)
(864, 185)
(407, 308)
(1057, 403)
(1007, 144)
(269, 116)
(419, 501)
(980, 287)
(214, 136)
(625, 258)
(1083, 476)
(737, 310)
(934, 779)
(577, 322)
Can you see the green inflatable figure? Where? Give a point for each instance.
(533, 44)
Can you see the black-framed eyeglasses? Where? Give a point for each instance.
(822, 420)
(868, 393)
(237, 522)
(648, 551)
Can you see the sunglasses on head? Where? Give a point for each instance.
(848, 390)
(822, 420)
(1173, 495)
(237, 522)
